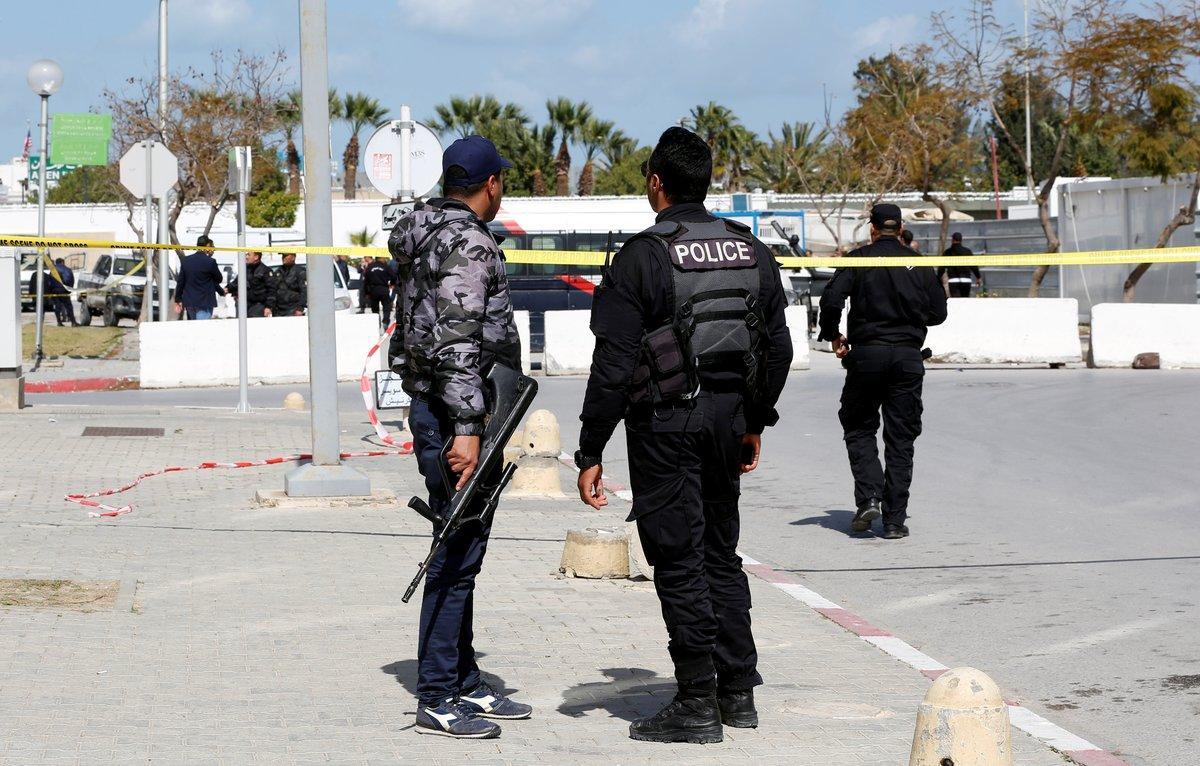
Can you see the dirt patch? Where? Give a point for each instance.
(77, 342)
(1062, 706)
(74, 595)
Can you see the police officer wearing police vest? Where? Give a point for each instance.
(890, 309)
(692, 350)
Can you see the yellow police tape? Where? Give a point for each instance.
(574, 258)
(70, 292)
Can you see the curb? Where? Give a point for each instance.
(79, 385)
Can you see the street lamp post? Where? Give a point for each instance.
(164, 256)
(326, 476)
(44, 78)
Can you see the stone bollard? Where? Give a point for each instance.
(962, 721)
(294, 401)
(596, 554)
(537, 466)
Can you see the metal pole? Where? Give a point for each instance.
(242, 304)
(44, 129)
(325, 476)
(148, 293)
(406, 136)
(164, 256)
(1028, 118)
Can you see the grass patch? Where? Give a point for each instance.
(76, 595)
(82, 342)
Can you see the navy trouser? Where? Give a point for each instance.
(886, 378)
(445, 654)
(684, 465)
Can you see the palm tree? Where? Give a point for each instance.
(731, 143)
(568, 119)
(359, 110)
(618, 146)
(593, 137)
(477, 114)
(288, 112)
(781, 163)
(364, 238)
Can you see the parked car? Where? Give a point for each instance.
(114, 289)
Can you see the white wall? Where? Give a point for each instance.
(1008, 330)
(568, 344)
(521, 318)
(797, 321)
(180, 354)
(1121, 331)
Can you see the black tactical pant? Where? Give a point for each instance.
(886, 378)
(684, 468)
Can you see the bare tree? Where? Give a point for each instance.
(234, 103)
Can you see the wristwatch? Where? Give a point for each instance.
(584, 462)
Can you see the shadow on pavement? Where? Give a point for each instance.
(628, 696)
(837, 519)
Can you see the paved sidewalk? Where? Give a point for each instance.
(248, 635)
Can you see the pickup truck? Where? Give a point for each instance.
(113, 290)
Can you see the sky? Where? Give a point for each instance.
(640, 63)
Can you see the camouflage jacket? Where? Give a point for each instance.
(454, 314)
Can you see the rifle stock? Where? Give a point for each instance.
(510, 393)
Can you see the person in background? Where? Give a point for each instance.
(63, 308)
(958, 279)
(291, 288)
(342, 264)
(198, 283)
(378, 281)
(260, 286)
(907, 238)
(362, 283)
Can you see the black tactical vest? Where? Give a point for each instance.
(717, 323)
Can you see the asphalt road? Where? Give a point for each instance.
(1056, 542)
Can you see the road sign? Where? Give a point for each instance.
(382, 159)
(53, 172)
(239, 169)
(392, 212)
(163, 169)
(80, 139)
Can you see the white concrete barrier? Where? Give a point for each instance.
(180, 354)
(568, 343)
(797, 322)
(521, 318)
(1008, 331)
(1121, 331)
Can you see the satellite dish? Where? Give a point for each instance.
(382, 159)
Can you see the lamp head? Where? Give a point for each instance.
(45, 77)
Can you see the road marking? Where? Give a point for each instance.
(1103, 636)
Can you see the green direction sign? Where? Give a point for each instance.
(53, 173)
(80, 139)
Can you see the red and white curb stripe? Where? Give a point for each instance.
(1076, 748)
(87, 500)
(610, 485)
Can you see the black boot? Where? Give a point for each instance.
(737, 709)
(696, 720)
(866, 514)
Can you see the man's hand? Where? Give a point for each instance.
(751, 449)
(178, 307)
(841, 346)
(463, 458)
(268, 312)
(591, 487)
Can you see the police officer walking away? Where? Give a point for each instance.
(378, 281)
(959, 278)
(455, 321)
(693, 351)
(890, 310)
(291, 288)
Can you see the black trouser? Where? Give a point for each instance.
(684, 468)
(64, 310)
(960, 289)
(381, 304)
(887, 378)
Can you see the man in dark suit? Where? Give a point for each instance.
(198, 283)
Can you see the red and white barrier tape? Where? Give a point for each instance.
(104, 510)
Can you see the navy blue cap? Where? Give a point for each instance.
(886, 216)
(477, 157)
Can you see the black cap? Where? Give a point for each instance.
(476, 156)
(203, 241)
(885, 215)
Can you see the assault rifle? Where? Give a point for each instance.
(509, 394)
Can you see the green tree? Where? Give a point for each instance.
(780, 163)
(625, 175)
(364, 238)
(509, 128)
(594, 136)
(87, 184)
(568, 119)
(733, 146)
(271, 209)
(358, 111)
(288, 111)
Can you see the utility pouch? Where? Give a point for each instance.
(671, 375)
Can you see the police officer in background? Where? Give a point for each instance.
(260, 286)
(378, 281)
(693, 351)
(291, 288)
(890, 309)
(958, 279)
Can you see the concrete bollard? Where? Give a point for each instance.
(537, 465)
(962, 721)
(294, 401)
(596, 554)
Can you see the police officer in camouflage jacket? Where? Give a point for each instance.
(455, 319)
